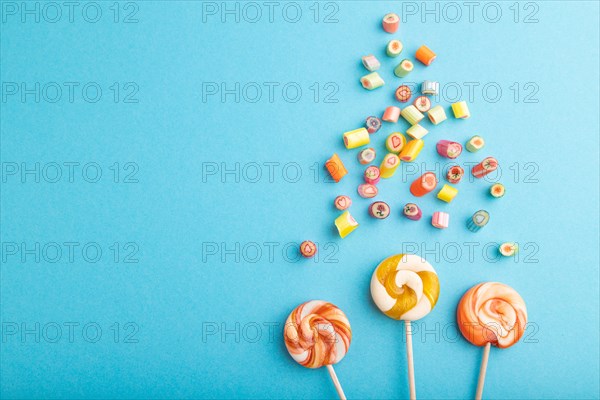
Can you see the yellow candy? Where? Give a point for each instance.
(447, 193)
(411, 150)
(395, 142)
(345, 224)
(389, 165)
(461, 110)
(356, 138)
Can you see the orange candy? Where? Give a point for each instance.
(336, 168)
(424, 184)
(425, 55)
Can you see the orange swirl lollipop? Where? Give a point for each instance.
(491, 313)
(317, 334)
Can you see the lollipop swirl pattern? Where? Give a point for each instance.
(405, 286)
(317, 333)
(492, 312)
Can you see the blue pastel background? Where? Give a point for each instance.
(195, 321)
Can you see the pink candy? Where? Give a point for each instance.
(367, 190)
(448, 149)
(391, 114)
(372, 175)
(440, 219)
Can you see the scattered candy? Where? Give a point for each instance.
(390, 23)
(455, 174)
(423, 184)
(395, 142)
(405, 286)
(371, 63)
(389, 165)
(328, 329)
(379, 210)
(372, 81)
(440, 219)
(447, 193)
(497, 190)
(425, 55)
(417, 132)
(461, 110)
(404, 68)
(448, 149)
(356, 138)
(394, 48)
(336, 168)
(411, 150)
(485, 167)
(492, 312)
(342, 202)
(366, 156)
(422, 103)
(391, 114)
(345, 224)
(430, 87)
(478, 220)
(412, 211)
(403, 93)
(372, 175)
(308, 249)
(437, 115)
(412, 115)
(367, 190)
(508, 249)
(475, 143)
(373, 124)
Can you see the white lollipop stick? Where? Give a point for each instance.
(336, 382)
(409, 355)
(482, 370)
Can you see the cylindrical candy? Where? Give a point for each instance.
(508, 249)
(367, 190)
(412, 115)
(404, 68)
(476, 143)
(448, 149)
(336, 168)
(373, 124)
(425, 55)
(372, 175)
(317, 333)
(497, 190)
(422, 103)
(394, 48)
(403, 93)
(412, 211)
(485, 167)
(395, 142)
(430, 87)
(345, 224)
(461, 110)
(342, 202)
(366, 156)
(492, 312)
(379, 210)
(455, 174)
(447, 193)
(417, 131)
(372, 81)
(308, 249)
(405, 287)
(389, 165)
(356, 138)
(437, 115)
(390, 23)
(391, 114)
(478, 220)
(411, 150)
(371, 62)
(423, 184)
(440, 220)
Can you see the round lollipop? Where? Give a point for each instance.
(317, 334)
(406, 287)
(491, 313)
